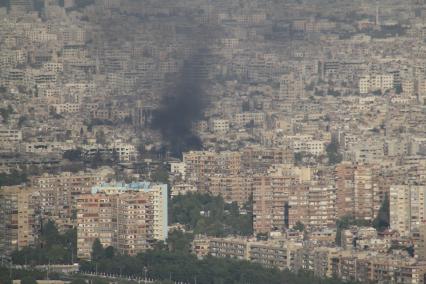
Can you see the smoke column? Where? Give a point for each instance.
(182, 105)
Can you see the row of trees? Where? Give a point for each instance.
(15, 177)
(182, 266)
(26, 276)
(53, 247)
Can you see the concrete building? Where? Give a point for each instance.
(371, 83)
(18, 220)
(57, 194)
(125, 216)
(407, 208)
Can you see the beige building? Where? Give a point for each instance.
(57, 194)
(125, 216)
(232, 188)
(272, 254)
(407, 208)
(18, 220)
(371, 83)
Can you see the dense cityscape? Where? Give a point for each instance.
(212, 141)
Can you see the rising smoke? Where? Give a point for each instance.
(182, 104)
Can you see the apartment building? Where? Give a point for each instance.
(271, 202)
(407, 208)
(275, 254)
(10, 135)
(261, 158)
(322, 206)
(272, 254)
(291, 87)
(219, 125)
(124, 151)
(57, 194)
(247, 118)
(18, 221)
(126, 216)
(229, 247)
(233, 188)
(200, 165)
(371, 83)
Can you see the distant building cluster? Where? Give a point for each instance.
(308, 113)
(125, 216)
(128, 217)
(291, 253)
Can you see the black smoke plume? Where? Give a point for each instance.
(183, 104)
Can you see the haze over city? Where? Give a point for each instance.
(212, 141)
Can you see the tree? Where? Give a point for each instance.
(179, 241)
(398, 89)
(80, 4)
(14, 178)
(334, 157)
(54, 248)
(298, 157)
(109, 252)
(78, 281)
(49, 234)
(160, 175)
(6, 112)
(99, 281)
(22, 120)
(56, 254)
(382, 220)
(100, 137)
(97, 250)
(299, 226)
(28, 280)
(218, 218)
(39, 5)
(377, 92)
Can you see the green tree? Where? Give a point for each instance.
(299, 226)
(109, 252)
(28, 280)
(57, 254)
(22, 120)
(398, 89)
(179, 241)
(332, 149)
(49, 234)
(15, 177)
(54, 248)
(100, 137)
(184, 267)
(206, 214)
(99, 281)
(78, 281)
(80, 4)
(97, 250)
(381, 222)
(6, 112)
(298, 157)
(160, 175)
